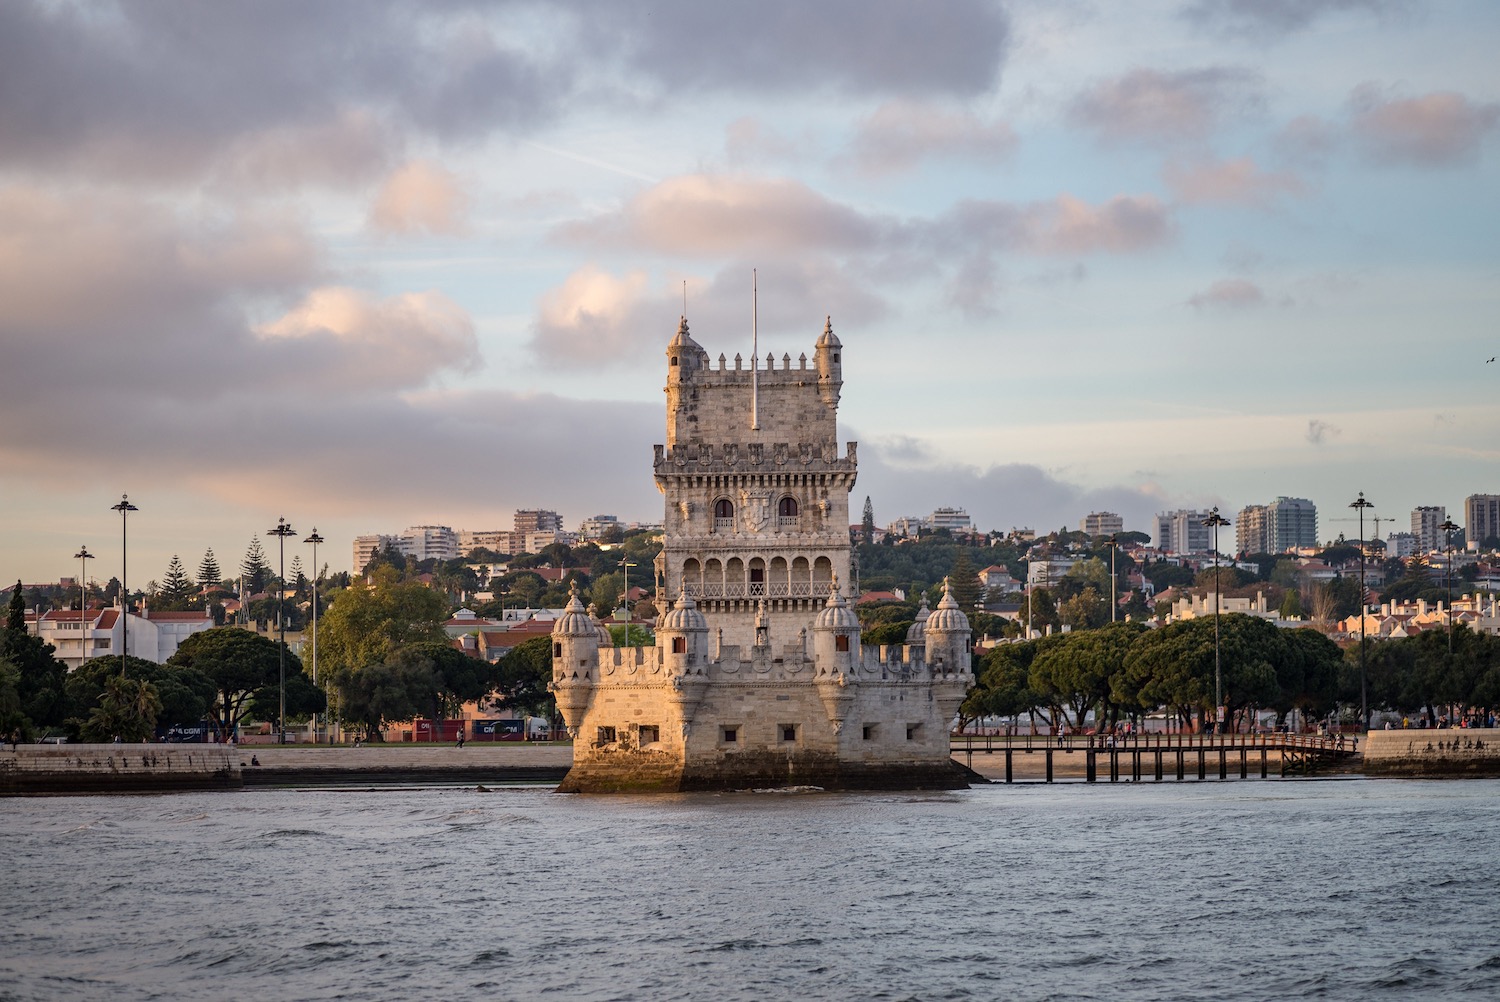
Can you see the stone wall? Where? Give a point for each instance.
(1447, 752)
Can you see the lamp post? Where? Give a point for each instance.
(83, 556)
(124, 508)
(625, 566)
(315, 539)
(1114, 603)
(1448, 530)
(1364, 705)
(1213, 521)
(281, 531)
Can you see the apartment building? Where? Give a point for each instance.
(1284, 524)
(1426, 527)
(538, 520)
(1183, 531)
(1102, 523)
(1481, 517)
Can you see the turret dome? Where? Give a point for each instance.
(948, 617)
(836, 615)
(606, 639)
(684, 616)
(575, 620)
(828, 338)
(918, 632)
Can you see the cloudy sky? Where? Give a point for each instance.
(370, 265)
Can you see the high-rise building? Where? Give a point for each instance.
(365, 548)
(1284, 524)
(1426, 522)
(497, 540)
(1400, 544)
(424, 542)
(1101, 523)
(952, 519)
(1481, 517)
(1183, 531)
(594, 528)
(538, 520)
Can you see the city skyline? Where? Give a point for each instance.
(1080, 258)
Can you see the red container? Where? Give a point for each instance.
(447, 730)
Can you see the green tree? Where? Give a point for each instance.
(381, 694)
(964, 580)
(15, 613)
(243, 667)
(127, 711)
(606, 590)
(1291, 605)
(524, 676)
(448, 677)
(1084, 670)
(14, 724)
(1085, 611)
(365, 624)
(39, 685)
(254, 569)
(186, 694)
(176, 590)
(867, 523)
(209, 575)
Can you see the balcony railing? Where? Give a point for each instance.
(757, 589)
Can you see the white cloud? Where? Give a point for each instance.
(901, 134)
(1237, 181)
(1166, 107)
(421, 196)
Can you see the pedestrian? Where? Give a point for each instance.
(460, 738)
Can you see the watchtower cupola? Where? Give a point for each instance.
(829, 355)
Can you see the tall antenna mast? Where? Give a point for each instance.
(754, 354)
(684, 298)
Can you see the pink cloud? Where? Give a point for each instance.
(1069, 225)
(1229, 294)
(900, 134)
(1440, 129)
(420, 197)
(1150, 106)
(706, 214)
(1228, 181)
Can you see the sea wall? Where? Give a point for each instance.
(42, 770)
(1447, 752)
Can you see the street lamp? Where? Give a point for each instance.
(625, 566)
(83, 556)
(1114, 604)
(124, 508)
(281, 531)
(1364, 706)
(315, 539)
(1213, 521)
(1448, 530)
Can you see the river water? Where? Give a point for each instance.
(1342, 889)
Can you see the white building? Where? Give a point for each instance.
(152, 636)
(424, 542)
(1481, 518)
(1044, 573)
(1101, 523)
(1183, 531)
(470, 540)
(1426, 527)
(596, 526)
(365, 548)
(1400, 544)
(952, 519)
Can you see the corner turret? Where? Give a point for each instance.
(575, 661)
(829, 353)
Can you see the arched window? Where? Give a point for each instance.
(674, 359)
(788, 507)
(679, 645)
(723, 508)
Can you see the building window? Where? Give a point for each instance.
(606, 736)
(788, 507)
(723, 514)
(841, 642)
(557, 650)
(870, 730)
(674, 359)
(650, 734)
(679, 645)
(914, 732)
(729, 734)
(788, 733)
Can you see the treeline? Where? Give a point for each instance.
(1125, 671)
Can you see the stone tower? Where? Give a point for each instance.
(758, 676)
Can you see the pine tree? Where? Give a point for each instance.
(15, 618)
(299, 579)
(867, 523)
(964, 581)
(254, 568)
(209, 574)
(176, 589)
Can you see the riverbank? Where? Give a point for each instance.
(51, 770)
(1451, 752)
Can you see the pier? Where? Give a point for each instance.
(1158, 757)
